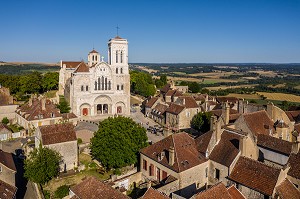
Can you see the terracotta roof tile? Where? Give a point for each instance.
(7, 191)
(297, 127)
(186, 153)
(294, 116)
(188, 102)
(165, 88)
(71, 64)
(226, 150)
(274, 144)
(170, 92)
(218, 112)
(57, 133)
(255, 175)
(160, 108)
(294, 161)
(7, 160)
(227, 99)
(35, 111)
(4, 128)
(235, 193)
(151, 101)
(92, 188)
(286, 190)
(202, 141)
(82, 68)
(217, 191)
(68, 115)
(93, 51)
(259, 122)
(175, 108)
(152, 193)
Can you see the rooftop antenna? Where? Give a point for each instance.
(117, 30)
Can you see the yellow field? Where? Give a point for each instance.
(264, 73)
(225, 87)
(244, 96)
(281, 96)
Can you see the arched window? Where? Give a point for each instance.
(102, 80)
(105, 83)
(81, 88)
(117, 56)
(95, 85)
(122, 87)
(118, 87)
(99, 83)
(121, 70)
(121, 57)
(109, 85)
(96, 58)
(117, 70)
(93, 58)
(87, 88)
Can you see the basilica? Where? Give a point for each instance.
(98, 88)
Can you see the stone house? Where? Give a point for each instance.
(5, 132)
(232, 101)
(172, 95)
(7, 168)
(39, 112)
(61, 138)
(7, 108)
(149, 104)
(158, 113)
(92, 188)
(175, 164)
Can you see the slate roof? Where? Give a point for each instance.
(286, 190)
(82, 68)
(186, 153)
(7, 160)
(255, 175)
(7, 191)
(71, 64)
(57, 133)
(217, 191)
(294, 162)
(275, 144)
(175, 108)
(259, 122)
(35, 111)
(92, 188)
(152, 193)
(226, 150)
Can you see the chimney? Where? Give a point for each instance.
(270, 107)
(213, 123)
(30, 102)
(171, 156)
(242, 145)
(225, 112)
(183, 101)
(295, 147)
(43, 101)
(206, 97)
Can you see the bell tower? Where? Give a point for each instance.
(118, 52)
(93, 58)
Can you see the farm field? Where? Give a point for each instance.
(280, 96)
(244, 96)
(225, 87)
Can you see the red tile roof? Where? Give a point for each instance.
(4, 128)
(68, 116)
(286, 190)
(82, 68)
(175, 108)
(189, 102)
(152, 193)
(294, 116)
(170, 92)
(235, 193)
(297, 127)
(35, 111)
(186, 153)
(217, 191)
(92, 188)
(202, 141)
(7, 160)
(259, 122)
(275, 144)
(7, 191)
(165, 88)
(226, 150)
(57, 133)
(294, 161)
(161, 108)
(150, 102)
(93, 51)
(71, 64)
(255, 175)
(227, 99)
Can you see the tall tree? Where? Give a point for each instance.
(164, 79)
(201, 121)
(50, 81)
(42, 165)
(63, 106)
(117, 142)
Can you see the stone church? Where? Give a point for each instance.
(98, 88)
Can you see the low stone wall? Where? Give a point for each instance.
(8, 111)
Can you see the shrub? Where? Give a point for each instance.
(5, 120)
(79, 141)
(61, 191)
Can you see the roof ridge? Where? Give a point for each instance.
(261, 163)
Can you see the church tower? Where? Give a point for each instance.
(93, 58)
(118, 53)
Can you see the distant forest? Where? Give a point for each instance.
(18, 69)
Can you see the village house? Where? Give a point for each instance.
(7, 106)
(5, 132)
(39, 112)
(61, 138)
(7, 168)
(92, 188)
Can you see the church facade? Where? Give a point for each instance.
(98, 88)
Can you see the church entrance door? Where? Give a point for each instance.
(85, 111)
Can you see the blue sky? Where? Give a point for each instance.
(165, 31)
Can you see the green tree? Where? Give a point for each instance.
(42, 165)
(201, 121)
(194, 87)
(50, 81)
(117, 142)
(159, 83)
(31, 83)
(5, 120)
(163, 79)
(63, 106)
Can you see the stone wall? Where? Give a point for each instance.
(8, 111)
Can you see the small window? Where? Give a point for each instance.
(121, 70)
(206, 172)
(52, 115)
(81, 88)
(118, 87)
(145, 165)
(217, 174)
(117, 70)
(87, 88)
(122, 87)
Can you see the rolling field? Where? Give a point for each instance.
(225, 87)
(281, 96)
(244, 96)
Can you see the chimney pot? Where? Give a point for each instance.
(171, 156)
